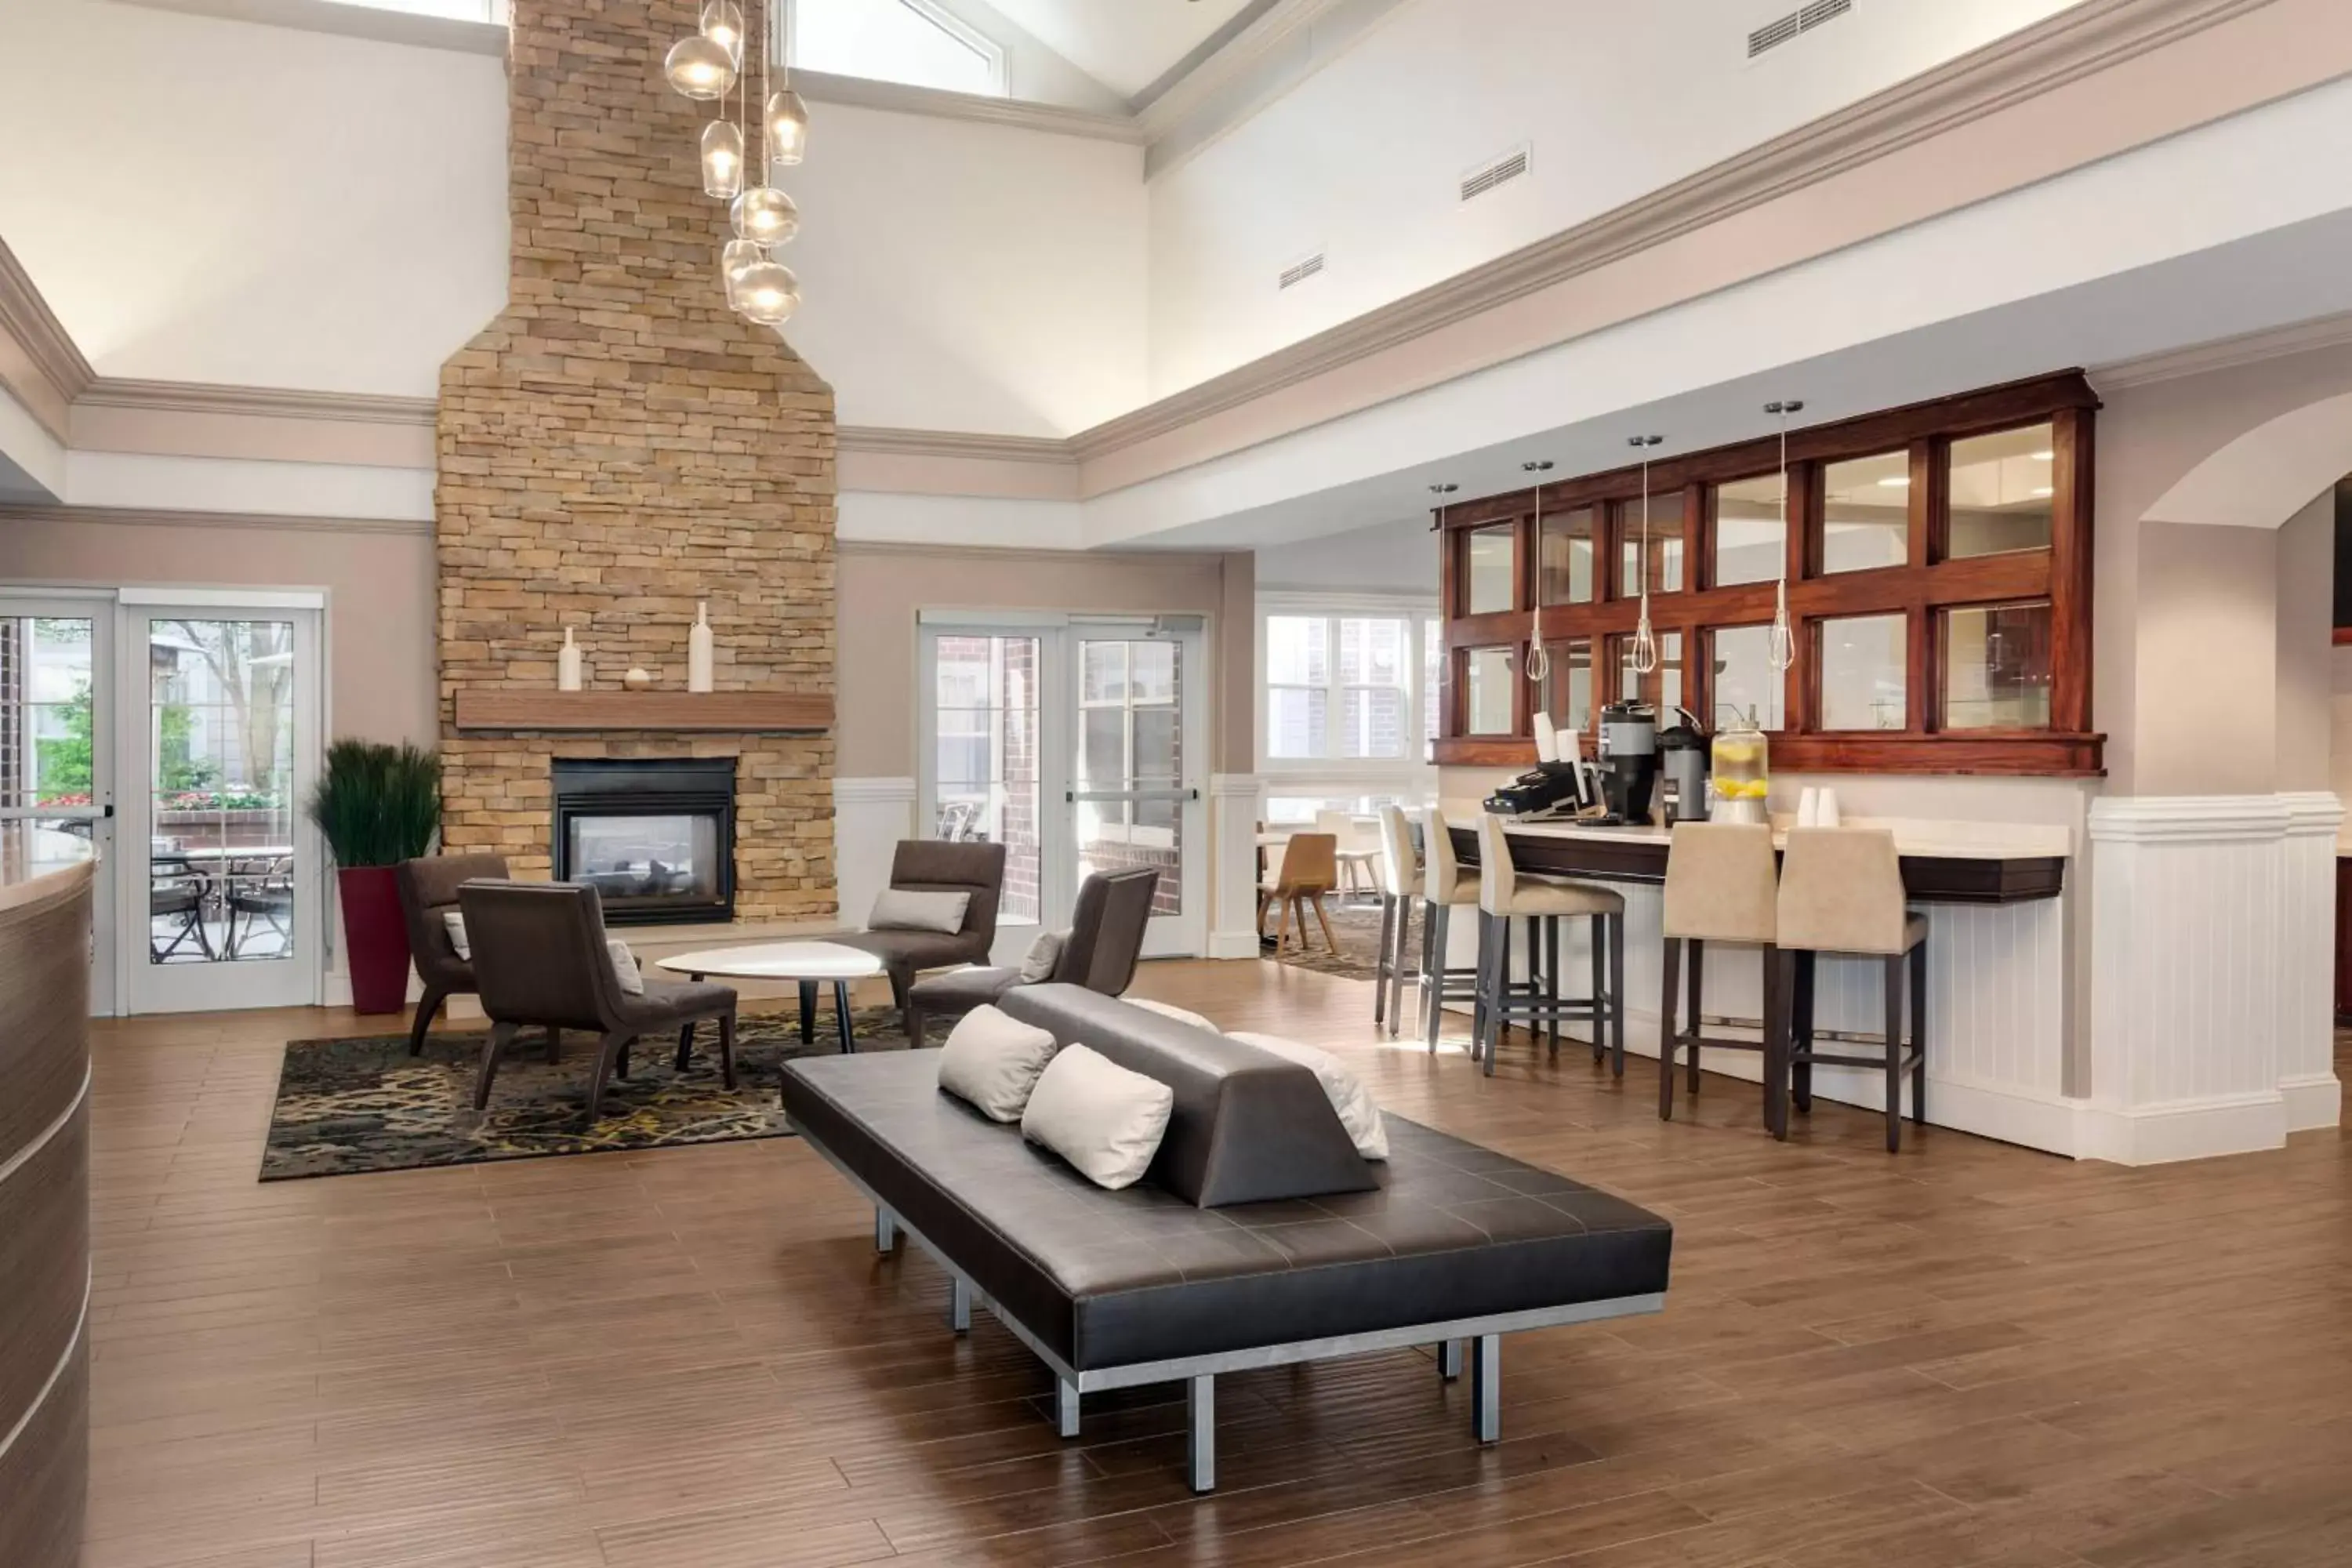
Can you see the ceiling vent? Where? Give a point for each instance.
(1501, 171)
(1298, 272)
(1796, 24)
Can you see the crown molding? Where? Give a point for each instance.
(885, 441)
(258, 402)
(1043, 555)
(2227, 354)
(860, 92)
(143, 517)
(2089, 37)
(38, 362)
(373, 22)
(1194, 91)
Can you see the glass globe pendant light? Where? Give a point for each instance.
(787, 127)
(766, 215)
(700, 68)
(722, 159)
(735, 258)
(770, 293)
(722, 23)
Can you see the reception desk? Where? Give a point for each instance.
(45, 934)
(1999, 900)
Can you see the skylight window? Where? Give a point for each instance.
(911, 41)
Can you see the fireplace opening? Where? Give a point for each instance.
(656, 840)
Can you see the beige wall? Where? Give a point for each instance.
(2207, 720)
(883, 587)
(378, 581)
(2306, 634)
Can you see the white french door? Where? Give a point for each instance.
(1077, 745)
(57, 743)
(221, 891)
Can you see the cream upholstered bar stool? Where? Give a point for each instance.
(1842, 893)
(1722, 885)
(1445, 887)
(1397, 876)
(1505, 896)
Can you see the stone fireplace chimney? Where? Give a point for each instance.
(617, 446)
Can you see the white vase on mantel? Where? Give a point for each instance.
(569, 671)
(697, 649)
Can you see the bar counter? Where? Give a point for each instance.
(46, 881)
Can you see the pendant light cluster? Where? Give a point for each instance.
(708, 67)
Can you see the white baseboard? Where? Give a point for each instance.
(335, 988)
(2313, 1102)
(1230, 944)
(2189, 1129)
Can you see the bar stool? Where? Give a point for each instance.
(1396, 873)
(1721, 886)
(1842, 893)
(1505, 896)
(1445, 887)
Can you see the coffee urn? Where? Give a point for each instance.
(1628, 760)
(1683, 758)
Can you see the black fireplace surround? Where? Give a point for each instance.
(656, 838)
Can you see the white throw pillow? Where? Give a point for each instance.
(1357, 1112)
(1165, 1010)
(901, 908)
(1043, 954)
(454, 921)
(993, 1061)
(1101, 1118)
(624, 966)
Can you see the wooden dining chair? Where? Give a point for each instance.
(1310, 868)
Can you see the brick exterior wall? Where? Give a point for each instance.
(617, 445)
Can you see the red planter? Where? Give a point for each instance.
(375, 938)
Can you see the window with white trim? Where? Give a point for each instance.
(1348, 702)
(916, 42)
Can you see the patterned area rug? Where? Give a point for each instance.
(1356, 928)
(364, 1103)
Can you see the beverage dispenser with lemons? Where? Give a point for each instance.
(1743, 772)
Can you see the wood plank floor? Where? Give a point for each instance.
(1965, 1354)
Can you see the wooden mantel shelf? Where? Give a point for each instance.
(727, 712)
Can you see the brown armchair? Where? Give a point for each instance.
(428, 891)
(540, 958)
(1106, 938)
(929, 865)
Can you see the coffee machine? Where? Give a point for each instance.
(1629, 760)
(1683, 760)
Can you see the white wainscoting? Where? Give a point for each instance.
(869, 817)
(1997, 1011)
(2212, 941)
(1233, 832)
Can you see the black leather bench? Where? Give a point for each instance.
(1325, 1255)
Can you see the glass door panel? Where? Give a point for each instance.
(54, 744)
(1134, 802)
(232, 914)
(985, 757)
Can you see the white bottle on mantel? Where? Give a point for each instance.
(697, 649)
(567, 665)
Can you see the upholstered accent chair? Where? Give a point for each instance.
(541, 958)
(1105, 940)
(428, 892)
(931, 865)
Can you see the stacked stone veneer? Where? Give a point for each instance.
(616, 447)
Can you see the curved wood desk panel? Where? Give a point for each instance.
(44, 1197)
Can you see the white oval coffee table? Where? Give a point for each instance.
(811, 963)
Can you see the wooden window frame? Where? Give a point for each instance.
(1921, 589)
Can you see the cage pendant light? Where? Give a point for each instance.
(1539, 660)
(1780, 644)
(1644, 656)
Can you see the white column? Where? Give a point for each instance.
(2196, 1020)
(2308, 978)
(1233, 839)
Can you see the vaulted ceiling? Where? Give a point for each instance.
(1126, 44)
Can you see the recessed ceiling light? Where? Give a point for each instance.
(2045, 457)
(2043, 490)
(1899, 482)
